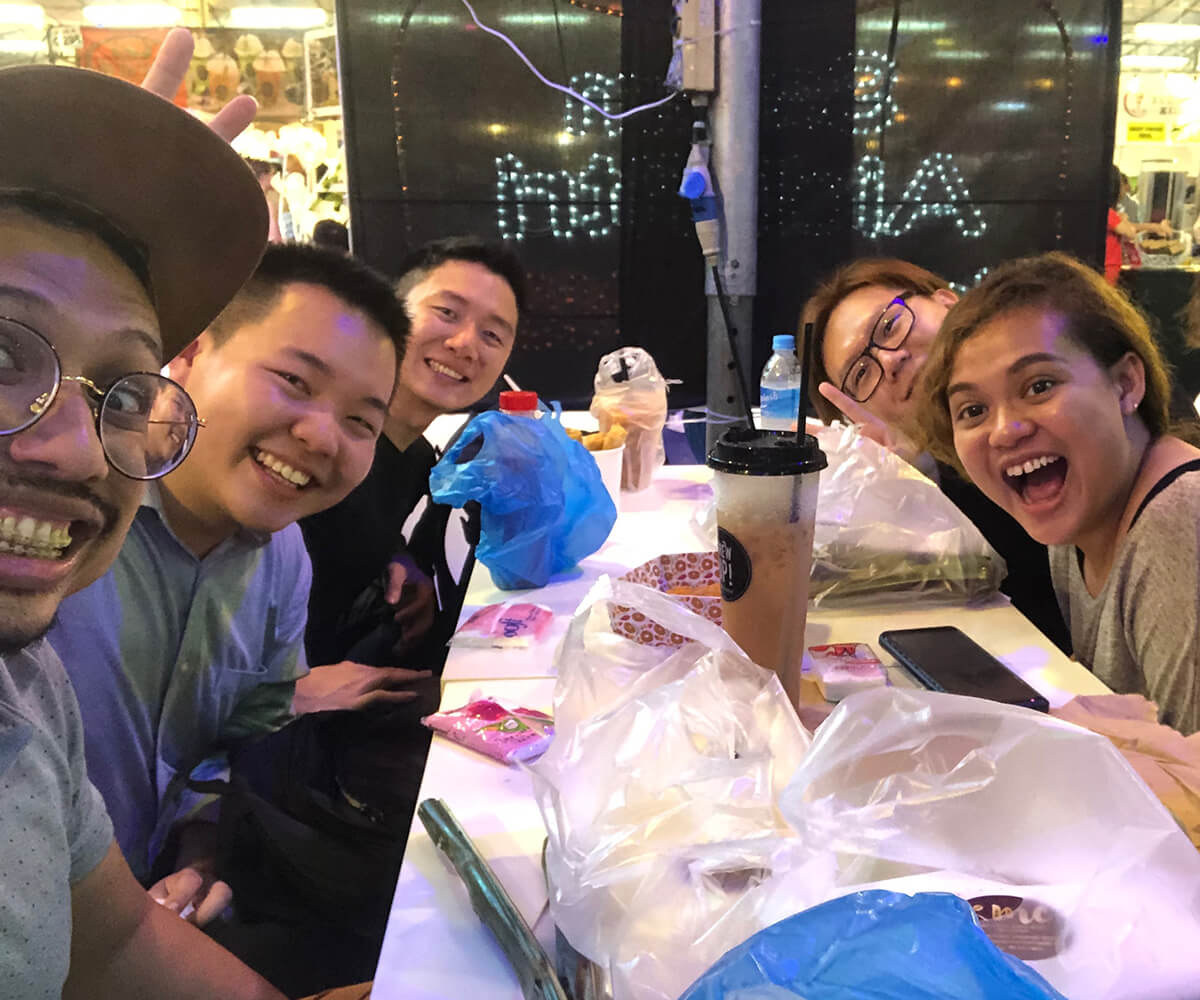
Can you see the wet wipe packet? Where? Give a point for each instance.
(504, 626)
(509, 736)
(842, 668)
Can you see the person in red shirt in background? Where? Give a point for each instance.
(1120, 228)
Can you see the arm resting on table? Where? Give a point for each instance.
(124, 945)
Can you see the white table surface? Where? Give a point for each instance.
(435, 946)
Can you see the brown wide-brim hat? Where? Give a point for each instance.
(162, 177)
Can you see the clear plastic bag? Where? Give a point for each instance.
(659, 796)
(684, 814)
(630, 391)
(922, 792)
(543, 504)
(886, 532)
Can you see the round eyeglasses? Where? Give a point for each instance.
(145, 421)
(891, 329)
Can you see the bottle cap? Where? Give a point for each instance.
(783, 342)
(747, 452)
(518, 402)
(694, 184)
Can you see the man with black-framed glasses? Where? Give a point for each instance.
(874, 334)
(874, 321)
(888, 333)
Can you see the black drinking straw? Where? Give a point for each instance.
(731, 333)
(806, 359)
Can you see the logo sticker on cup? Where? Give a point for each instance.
(735, 566)
(1023, 928)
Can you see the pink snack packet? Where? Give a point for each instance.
(842, 668)
(486, 726)
(504, 626)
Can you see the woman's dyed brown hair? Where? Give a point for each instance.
(1100, 319)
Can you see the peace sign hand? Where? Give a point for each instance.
(869, 425)
(168, 71)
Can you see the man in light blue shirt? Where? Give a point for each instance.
(194, 639)
(207, 652)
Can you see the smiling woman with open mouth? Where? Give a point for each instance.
(1045, 386)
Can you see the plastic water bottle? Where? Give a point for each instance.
(779, 389)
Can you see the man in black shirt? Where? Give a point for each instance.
(465, 296)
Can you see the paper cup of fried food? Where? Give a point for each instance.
(693, 579)
(608, 449)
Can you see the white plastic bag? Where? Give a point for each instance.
(659, 796)
(917, 792)
(886, 532)
(684, 813)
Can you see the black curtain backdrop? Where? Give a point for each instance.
(967, 135)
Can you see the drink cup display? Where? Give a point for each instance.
(766, 490)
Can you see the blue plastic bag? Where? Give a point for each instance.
(877, 944)
(544, 505)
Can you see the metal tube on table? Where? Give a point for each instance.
(582, 978)
(492, 904)
(734, 125)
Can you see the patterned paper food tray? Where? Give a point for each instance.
(692, 578)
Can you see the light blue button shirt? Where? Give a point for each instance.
(174, 658)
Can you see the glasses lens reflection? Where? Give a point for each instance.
(147, 425)
(28, 375)
(894, 325)
(862, 378)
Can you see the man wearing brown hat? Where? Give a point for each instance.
(126, 227)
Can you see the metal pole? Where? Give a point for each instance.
(734, 129)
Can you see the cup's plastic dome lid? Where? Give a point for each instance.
(747, 452)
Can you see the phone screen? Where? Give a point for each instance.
(946, 659)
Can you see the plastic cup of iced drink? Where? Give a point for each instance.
(766, 491)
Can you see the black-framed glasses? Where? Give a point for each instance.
(891, 329)
(145, 421)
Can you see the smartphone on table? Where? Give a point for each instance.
(946, 659)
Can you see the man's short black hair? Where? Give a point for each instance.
(331, 233)
(495, 255)
(67, 214)
(1114, 186)
(348, 278)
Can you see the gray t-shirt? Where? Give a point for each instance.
(1141, 633)
(53, 826)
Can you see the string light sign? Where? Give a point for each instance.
(566, 203)
(961, 289)
(935, 190)
(578, 119)
(871, 69)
